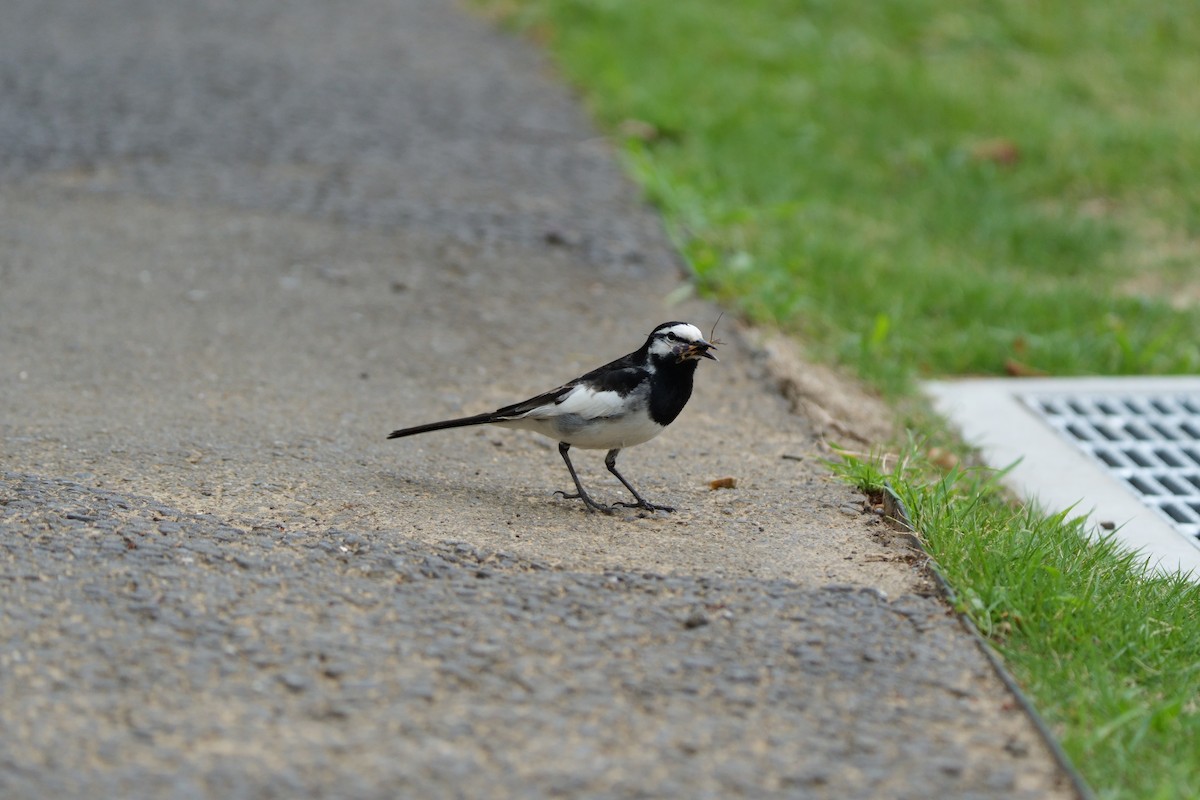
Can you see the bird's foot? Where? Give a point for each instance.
(591, 504)
(645, 505)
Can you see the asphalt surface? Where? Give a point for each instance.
(242, 241)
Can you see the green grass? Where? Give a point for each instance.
(935, 187)
(1116, 671)
(918, 186)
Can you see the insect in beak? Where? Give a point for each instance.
(712, 334)
(698, 349)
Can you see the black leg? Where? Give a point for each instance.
(580, 494)
(610, 461)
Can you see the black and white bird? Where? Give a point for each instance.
(625, 402)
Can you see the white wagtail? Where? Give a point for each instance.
(623, 403)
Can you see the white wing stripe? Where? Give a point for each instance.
(583, 402)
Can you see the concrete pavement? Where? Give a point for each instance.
(239, 243)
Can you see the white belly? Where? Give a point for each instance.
(610, 433)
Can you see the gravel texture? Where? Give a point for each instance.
(239, 243)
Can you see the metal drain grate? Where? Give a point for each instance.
(1151, 443)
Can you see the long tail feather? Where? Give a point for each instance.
(478, 419)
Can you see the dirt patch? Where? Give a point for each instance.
(840, 409)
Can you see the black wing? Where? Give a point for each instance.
(620, 376)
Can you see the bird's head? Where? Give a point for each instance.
(678, 342)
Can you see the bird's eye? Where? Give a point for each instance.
(672, 337)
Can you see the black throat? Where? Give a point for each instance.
(670, 388)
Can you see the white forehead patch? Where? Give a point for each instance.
(686, 332)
